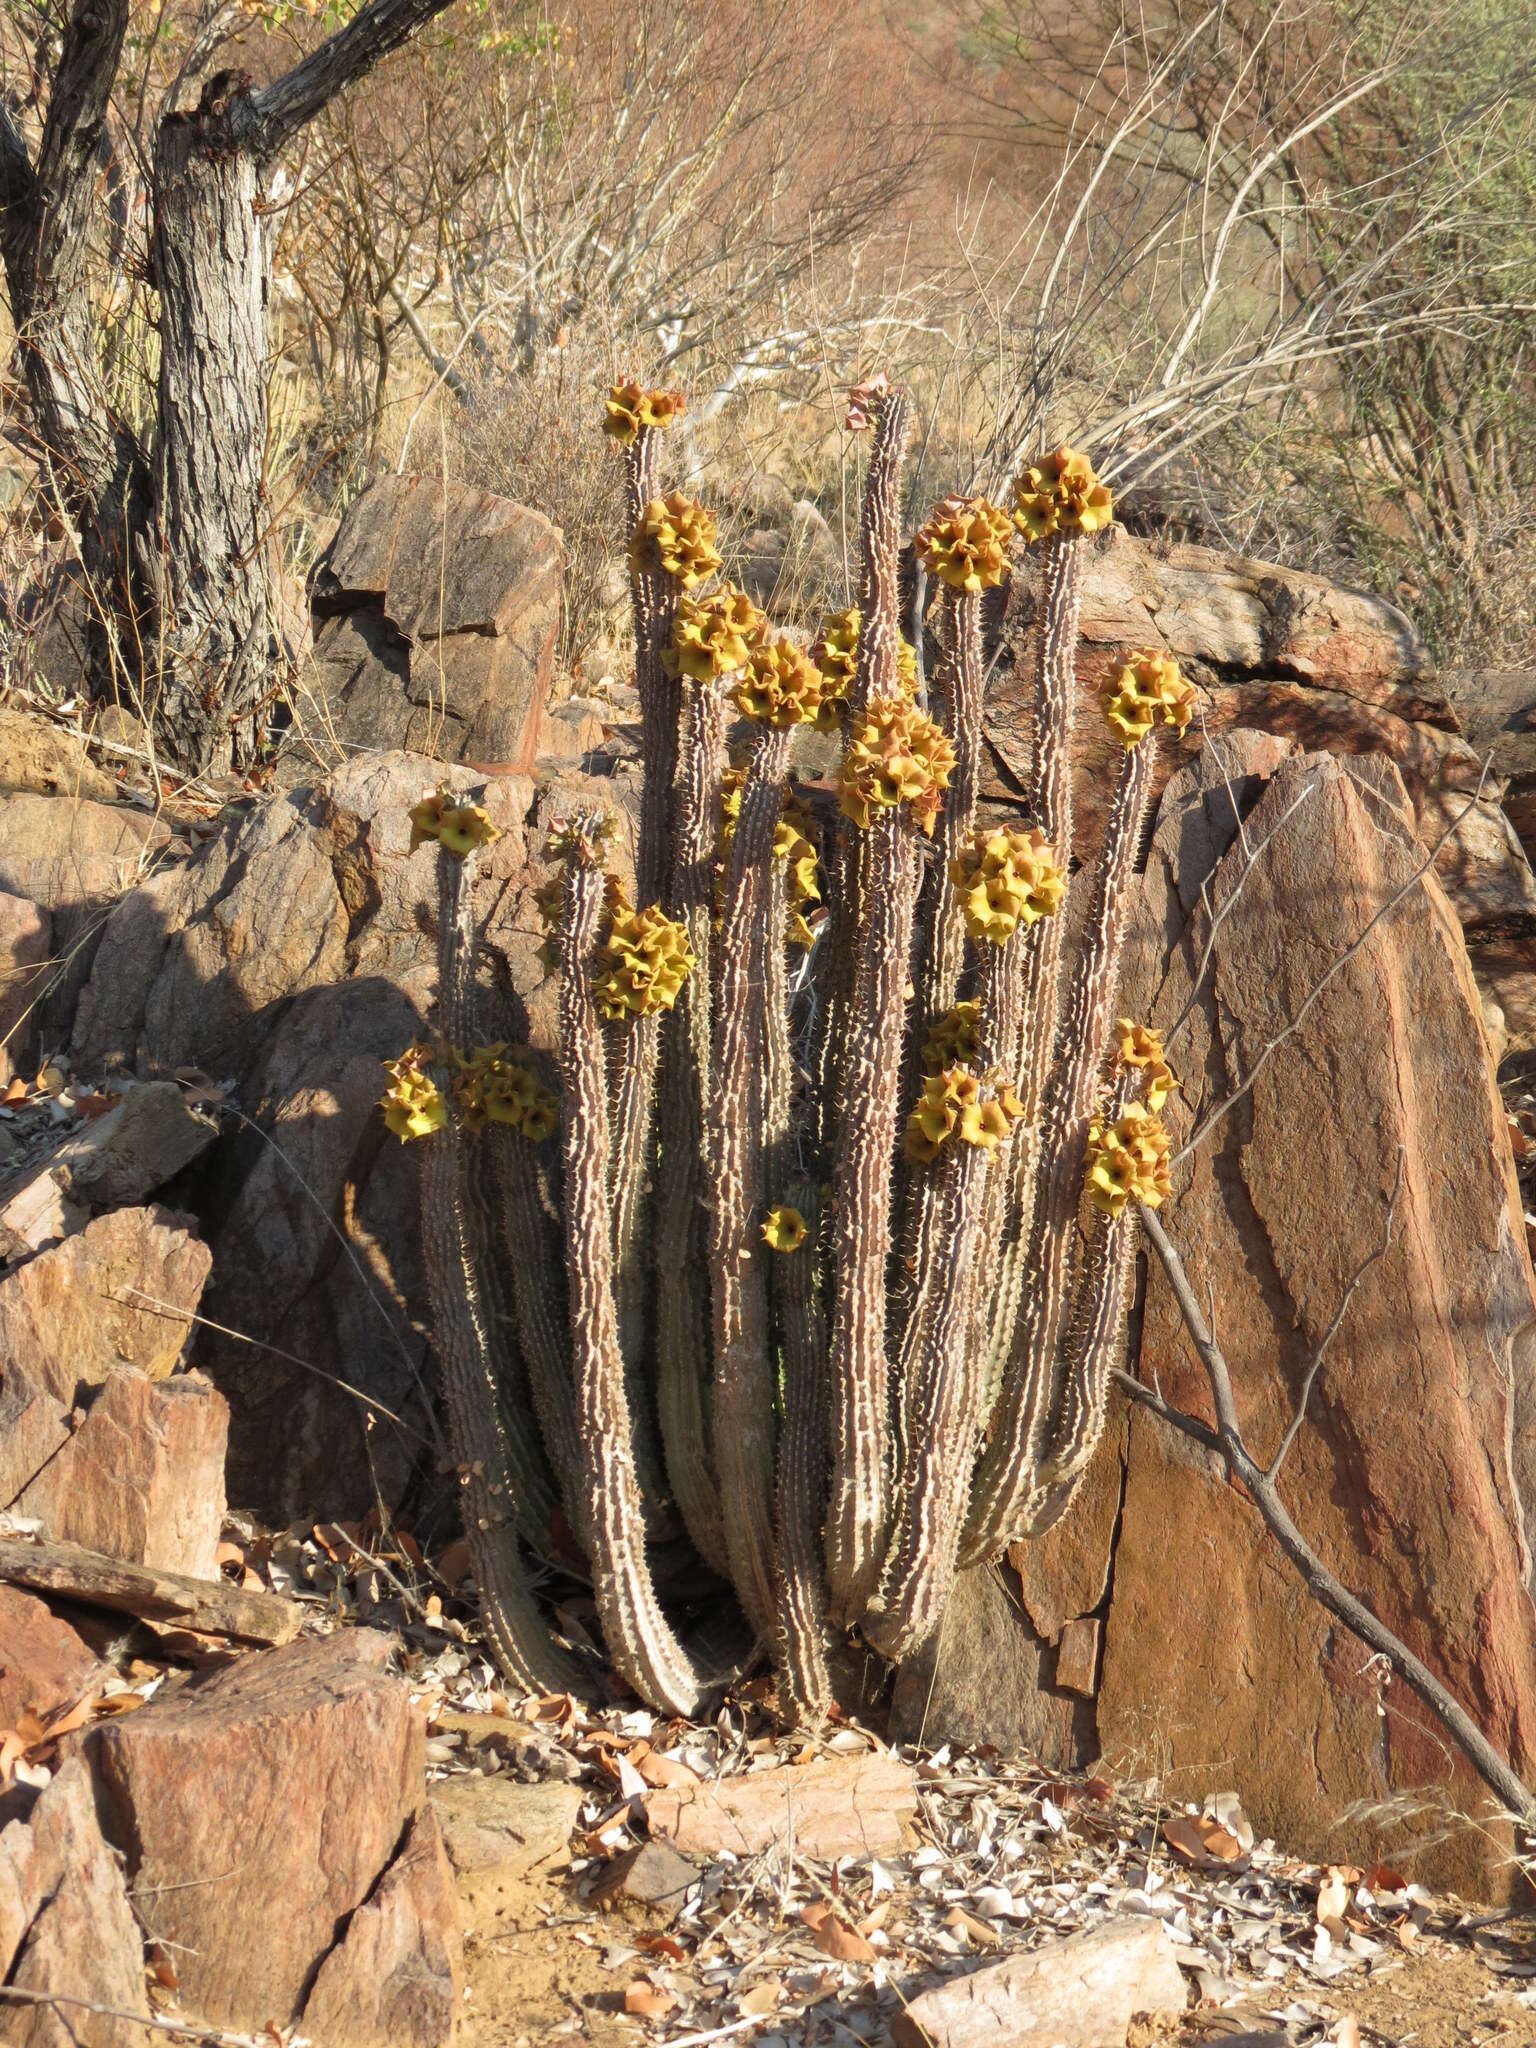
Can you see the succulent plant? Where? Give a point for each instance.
(803, 1051)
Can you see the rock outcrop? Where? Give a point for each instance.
(278, 1843)
(142, 1478)
(436, 615)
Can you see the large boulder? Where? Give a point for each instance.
(26, 944)
(436, 614)
(1416, 1472)
(263, 1812)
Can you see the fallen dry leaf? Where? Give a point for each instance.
(835, 1937)
(1201, 1842)
(975, 1930)
(661, 1771)
(1347, 2033)
(760, 1999)
(1332, 1901)
(648, 2001)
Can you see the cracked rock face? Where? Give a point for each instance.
(276, 1839)
(1416, 1477)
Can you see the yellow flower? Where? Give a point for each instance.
(780, 685)
(631, 407)
(1060, 494)
(1004, 877)
(1140, 691)
(784, 1229)
(1140, 1046)
(894, 755)
(952, 1105)
(645, 960)
(965, 544)
(713, 636)
(492, 1089)
(676, 534)
(455, 827)
(1128, 1161)
(954, 1040)
(414, 1105)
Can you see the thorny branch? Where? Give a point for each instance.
(1227, 1442)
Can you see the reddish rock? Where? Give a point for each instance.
(191, 963)
(397, 1975)
(33, 1425)
(66, 1925)
(436, 618)
(26, 940)
(836, 1806)
(73, 858)
(260, 1807)
(143, 1477)
(44, 1665)
(76, 1313)
(987, 1674)
(1415, 1476)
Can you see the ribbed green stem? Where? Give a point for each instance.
(536, 1271)
(515, 1631)
(641, 1643)
(744, 1366)
(683, 1338)
(802, 1474)
(1029, 1407)
(859, 1510)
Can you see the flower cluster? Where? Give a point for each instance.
(1004, 877)
(894, 755)
(1128, 1161)
(676, 534)
(835, 651)
(784, 1229)
(645, 959)
(631, 407)
(457, 828)
(865, 400)
(792, 843)
(1141, 1048)
(713, 636)
(1060, 494)
(780, 685)
(965, 544)
(491, 1089)
(1142, 690)
(954, 1040)
(952, 1105)
(413, 1104)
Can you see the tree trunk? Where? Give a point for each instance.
(219, 659)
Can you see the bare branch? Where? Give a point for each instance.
(1227, 1442)
(280, 110)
